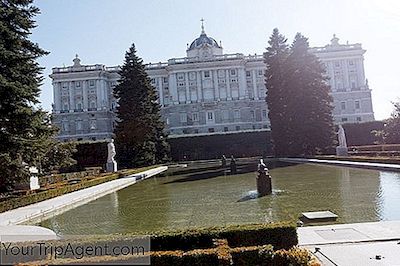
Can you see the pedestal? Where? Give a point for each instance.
(264, 185)
(111, 167)
(341, 151)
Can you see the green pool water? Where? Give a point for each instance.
(209, 197)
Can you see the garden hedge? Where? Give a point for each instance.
(281, 235)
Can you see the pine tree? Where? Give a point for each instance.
(140, 138)
(275, 59)
(300, 106)
(311, 101)
(25, 131)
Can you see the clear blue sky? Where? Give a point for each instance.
(100, 31)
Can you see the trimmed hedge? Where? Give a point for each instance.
(55, 192)
(242, 256)
(361, 133)
(280, 235)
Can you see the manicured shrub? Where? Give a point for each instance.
(280, 235)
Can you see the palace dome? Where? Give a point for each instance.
(203, 39)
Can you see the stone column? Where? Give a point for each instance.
(216, 88)
(85, 95)
(199, 89)
(188, 99)
(242, 83)
(57, 96)
(71, 97)
(104, 99)
(255, 91)
(228, 85)
(346, 75)
(160, 91)
(172, 88)
(98, 94)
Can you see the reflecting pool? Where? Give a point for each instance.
(204, 195)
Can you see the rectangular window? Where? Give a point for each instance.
(358, 118)
(206, 74)
(351, 62)
(225, 114)
(264, 113)
(210, 116)
(183, 117)
(233, 72)
(252, 114)
(153, 81)
(181, 76)
(237, 128)
(165, 79)
(343, 105)
(353, 84)
(211, 130)
(195, 117)
(77, 84)
(226, 129)
(357, 104)
(236, 114)
(260, 72)
(91, 83)
(79, 125)
(337, 63)
(64, 85)
(344, 119)
(248, 74)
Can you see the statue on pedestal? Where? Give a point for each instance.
(223, 161)
(264, 185)
(233, 165)
(341, 150)
(34, 179)
(111, 165)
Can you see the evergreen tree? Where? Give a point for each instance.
(140, 138)
(392, 126)
(311, 102)
(25, 131)
(275, 59)
(300, 106)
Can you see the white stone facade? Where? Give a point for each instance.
(207, 92)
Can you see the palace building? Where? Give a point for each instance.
(206, 92)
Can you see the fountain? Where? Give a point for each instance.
(264, 186)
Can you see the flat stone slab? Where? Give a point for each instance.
(366, 254)
(349, 233)
(22, 233)
(320, 215)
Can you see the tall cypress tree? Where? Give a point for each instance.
(140, 138)
(275, 59)
(24, 128)
(311, 103)
(300, 106)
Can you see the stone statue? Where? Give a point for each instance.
(342, 137)
(223, 161)
(264, 184)
(233, 165)
(34, 179)
(111, 163)
(341, 150)
(262, 168)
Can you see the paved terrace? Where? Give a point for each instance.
(375, 243)
(377, 166)
(39, 211)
